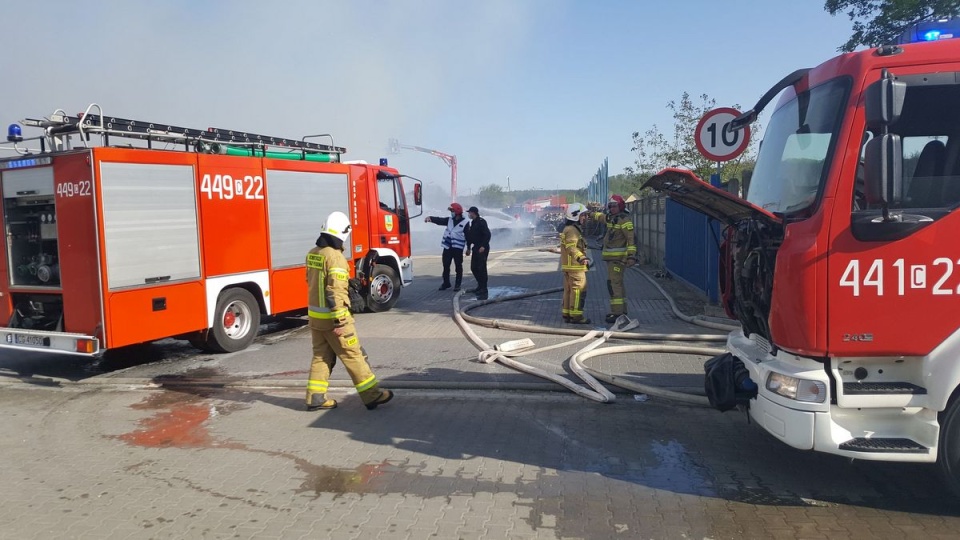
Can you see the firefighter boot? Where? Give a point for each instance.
(456, 285)
(611, 318)
(320, 402)
(385, 396)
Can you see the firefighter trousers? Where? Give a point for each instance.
(327, 347)
(618, 304)
(574, 294)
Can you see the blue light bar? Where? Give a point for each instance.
(383, 162)
(27, 162)
(930, 31)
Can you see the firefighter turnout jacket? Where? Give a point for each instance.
(328, 280)
(573, 249)
(618, 243)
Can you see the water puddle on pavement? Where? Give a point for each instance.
(182, 412)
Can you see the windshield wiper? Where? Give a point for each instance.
(750, 116)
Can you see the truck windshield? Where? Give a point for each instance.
(796, 147)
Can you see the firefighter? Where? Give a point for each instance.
(453, 242)
(619, 252)
(574, 264)
(331, 325)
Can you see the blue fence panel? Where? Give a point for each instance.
(692, 248)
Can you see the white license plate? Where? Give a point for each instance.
(24, 339)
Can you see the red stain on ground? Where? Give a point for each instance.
(180, 427)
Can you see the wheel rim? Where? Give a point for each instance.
(236, 320)
(381, 289)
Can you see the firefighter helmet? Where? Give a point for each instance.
(575, 210)
(338, 225)
(456, 208)
(617, 200)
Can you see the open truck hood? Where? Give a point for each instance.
(687, 189)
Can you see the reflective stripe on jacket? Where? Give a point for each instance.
(618, 243)
(328, 284)
(454, 237)
(573, 249)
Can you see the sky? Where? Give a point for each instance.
(540, 91)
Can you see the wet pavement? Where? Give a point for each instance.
(203, 463)
(161, 441)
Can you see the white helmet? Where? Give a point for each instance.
(575, 210)
(337, 224)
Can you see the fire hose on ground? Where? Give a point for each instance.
(592, 377)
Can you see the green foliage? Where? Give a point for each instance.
(626, 183)
(656, 150)
(879, 22)
(491, 196)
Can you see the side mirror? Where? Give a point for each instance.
(417, 194)
(883, 170)
(884, 102)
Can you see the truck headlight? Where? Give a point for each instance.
(797, 389)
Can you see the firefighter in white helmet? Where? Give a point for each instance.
(573, 264)
(331, 325)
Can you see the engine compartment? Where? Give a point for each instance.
(749, 259)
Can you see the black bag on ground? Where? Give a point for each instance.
(727, 382)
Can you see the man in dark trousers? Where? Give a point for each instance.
(478, 243)
(453, 243)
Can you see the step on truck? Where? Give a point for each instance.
(842, 261)
(121, 231)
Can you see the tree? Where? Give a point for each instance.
(879, 22)
(656, 150)
(491, 196)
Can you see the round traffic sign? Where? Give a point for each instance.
(714, 138)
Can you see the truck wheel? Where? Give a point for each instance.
(235, 322)
(384, 289)
(948, 455)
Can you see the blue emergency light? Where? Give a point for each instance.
(383, 162)
(14, 133)
(930, 31)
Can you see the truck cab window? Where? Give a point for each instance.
(387, 192)
(929, 128)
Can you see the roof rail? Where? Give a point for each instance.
(85, 124)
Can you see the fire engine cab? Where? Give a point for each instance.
(842, 263)
(180, 232)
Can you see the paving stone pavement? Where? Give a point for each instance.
(199, 464)
(185, 461)
(419, 341)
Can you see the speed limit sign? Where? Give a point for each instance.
(715, 140)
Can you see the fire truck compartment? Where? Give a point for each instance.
(30, 223)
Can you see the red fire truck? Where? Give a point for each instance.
(842, 264)
(109, 246)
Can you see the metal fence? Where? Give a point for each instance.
(649, 225)
(689, 252)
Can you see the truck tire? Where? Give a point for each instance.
(384, 289)
(948, 455)
(236, 321)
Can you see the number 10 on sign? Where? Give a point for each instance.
(716, 140)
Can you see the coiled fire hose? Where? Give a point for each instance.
(590, 376)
